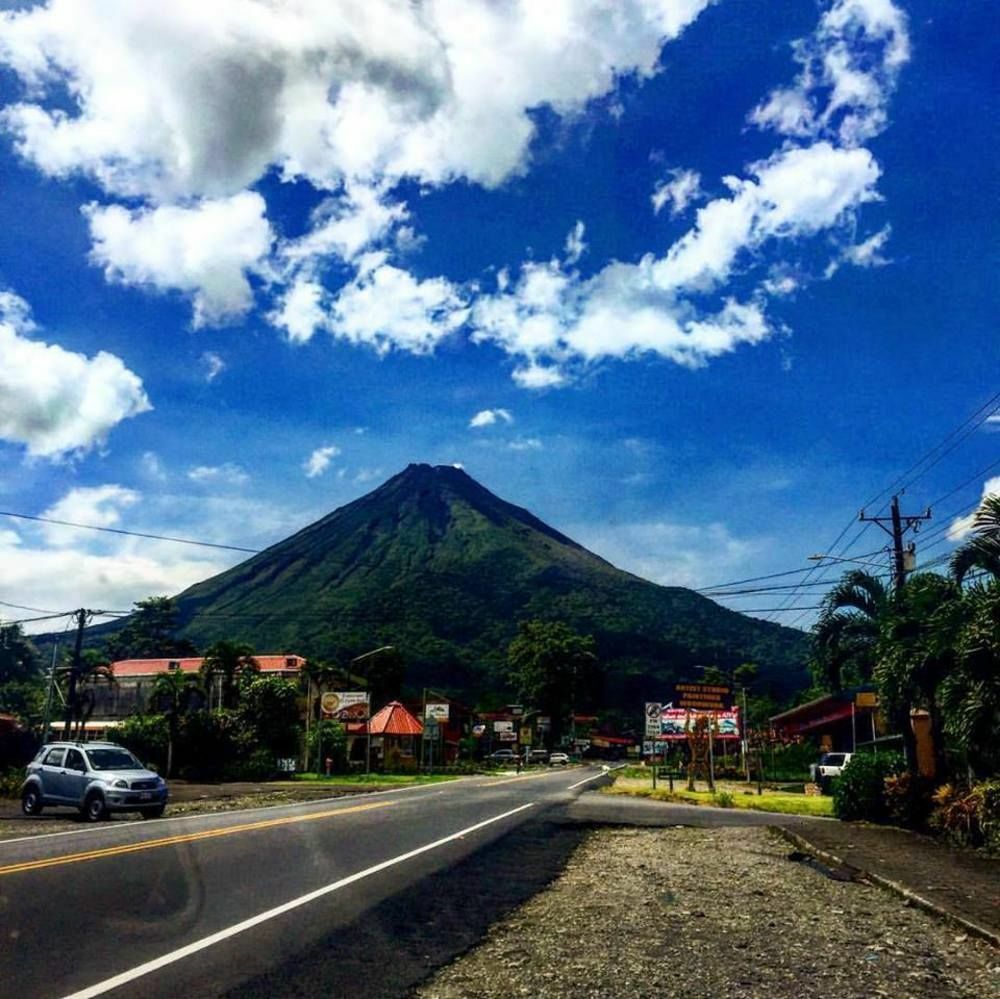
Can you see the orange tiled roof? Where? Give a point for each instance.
(394, 719)
(192, 664)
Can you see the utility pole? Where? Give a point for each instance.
(898, 525)
(82, 617)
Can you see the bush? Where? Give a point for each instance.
(396, 763)
(10, 782)
(259, 765)
(146, 736)
(859, 792)
(968, 816)
(723, 799)
(908, 799)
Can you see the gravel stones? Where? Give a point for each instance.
(714, 912)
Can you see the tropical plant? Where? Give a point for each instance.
(175, 694)
(847, 631)
(232, 662)
(970, 693)
(982, 550)
(149, 632)
(82, 693)
(859, 792)
(269, 716)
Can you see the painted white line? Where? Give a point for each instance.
(230, 931)
(222, 813)
(586, 780)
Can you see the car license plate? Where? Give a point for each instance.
(146, 796)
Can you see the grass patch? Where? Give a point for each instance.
(784, 803)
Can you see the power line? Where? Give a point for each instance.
(131, 534)
(34, 610)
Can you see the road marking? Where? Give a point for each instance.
(151, 844)
(512, 780)
(587, 780)
(147, 823)
(192, 948)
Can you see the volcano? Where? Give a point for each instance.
(435, 564)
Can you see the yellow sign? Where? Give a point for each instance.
(526, 735)
(866, 699)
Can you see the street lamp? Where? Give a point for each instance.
(368, 685)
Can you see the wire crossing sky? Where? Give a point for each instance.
(691, 280)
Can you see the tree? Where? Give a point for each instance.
(232, 661)
(552, 666)
(916, 653)
(22, 679)
(149, 633)
(269, 715)
(970, 694)
(982, 550)
(847, 631)
(92, 672)
(175, 694)
(385, 672)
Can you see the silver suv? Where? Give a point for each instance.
(95, 777)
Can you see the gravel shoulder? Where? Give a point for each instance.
(714, 912)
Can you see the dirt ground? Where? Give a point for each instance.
(720, 913)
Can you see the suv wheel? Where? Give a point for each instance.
(94, 809)
(31, 801)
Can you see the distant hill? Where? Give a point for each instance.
(440, 567)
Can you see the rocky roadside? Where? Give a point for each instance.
(714, 912)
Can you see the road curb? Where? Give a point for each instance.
(917, 901)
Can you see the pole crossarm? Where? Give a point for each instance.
(896, 525)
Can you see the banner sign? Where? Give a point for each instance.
(702, 697)
(653, 710)
(506, 737)
(439, 712)
(345, 705)
(503, 726)
(544, 723)
(675, 723)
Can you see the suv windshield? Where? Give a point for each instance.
(833, 759)
(113, 759)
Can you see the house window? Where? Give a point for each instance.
(173, 664)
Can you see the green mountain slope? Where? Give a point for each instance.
(435, 564)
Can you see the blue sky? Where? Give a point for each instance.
(690, 280)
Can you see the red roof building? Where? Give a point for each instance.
(394, 719)
(280, 665)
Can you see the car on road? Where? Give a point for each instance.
(537, 756)
(95, 777)
(558, 759)
(502, 756)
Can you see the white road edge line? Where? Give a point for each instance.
(192, 948)
(149, 823)
(603, 773)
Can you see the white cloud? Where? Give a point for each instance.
(867, 253)
(227, 473)
(487, 417)
(301, 310)
(961, 527)
(95, 506)
(152, 467)
(683, 187)
(53, 401)
(365, 475)
(849, 70)
(575, 245)
(319, 461)
(193, 99)
(670, 553)
(214, 365)
(204, 250)
(386, 307)
(525, 444)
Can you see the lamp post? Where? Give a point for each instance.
(368, 685)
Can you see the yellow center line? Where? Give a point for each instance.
(152, 844)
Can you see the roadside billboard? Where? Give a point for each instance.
(344, 705)
(675, 723)
(439, 712)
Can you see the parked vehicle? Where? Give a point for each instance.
(95, 777)
(830, 765)
(503, 756)
(558, 759)
(538, 756)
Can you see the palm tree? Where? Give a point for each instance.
(174, 694)
(982, 550)
(847, 631)
(92, 671)
(232, 661)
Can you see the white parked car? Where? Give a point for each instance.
(830, 765)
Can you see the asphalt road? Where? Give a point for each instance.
(366, 894)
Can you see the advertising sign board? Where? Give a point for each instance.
(702, 697)
(506, 736)
(503, 726)
(439, 712)
(344, 705)
(676, 723)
